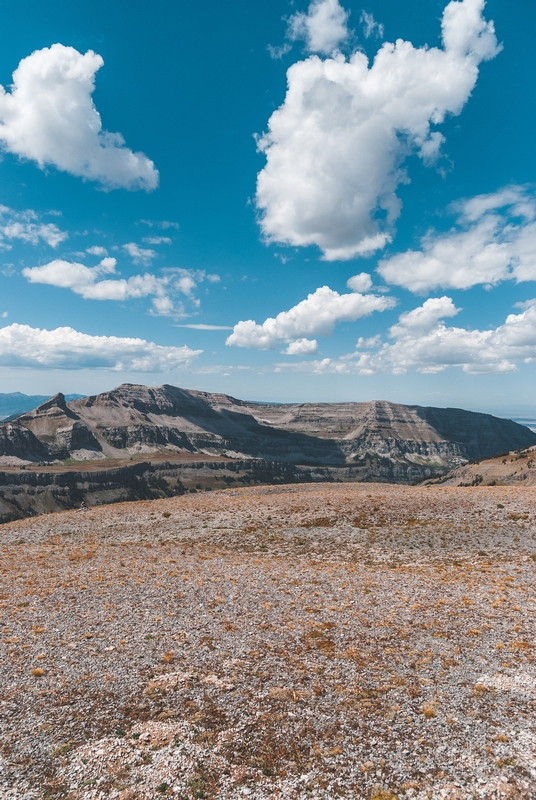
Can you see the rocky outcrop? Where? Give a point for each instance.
(18, 442)
(29, 492)
(123, 437)
(77, 436)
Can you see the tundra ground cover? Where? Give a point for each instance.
(351, 640)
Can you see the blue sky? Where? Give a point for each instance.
(280, 201)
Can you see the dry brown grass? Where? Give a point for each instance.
(38, 672)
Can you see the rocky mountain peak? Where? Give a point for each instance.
(56, 406)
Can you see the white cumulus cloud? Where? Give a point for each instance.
(66, 348)
(314, 316)
(89, 282)
(302, 347)
(335, 148)
(48, 116)
(93, 283)
(323, 28)
(425, 317)
(360, 283)
(494, 240)
(423, 342)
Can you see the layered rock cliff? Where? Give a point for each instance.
(19, 443)
(382, 440)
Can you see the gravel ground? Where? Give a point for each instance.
(320, 641)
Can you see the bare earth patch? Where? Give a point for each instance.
(344, 640)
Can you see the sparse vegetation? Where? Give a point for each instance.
(265, 642)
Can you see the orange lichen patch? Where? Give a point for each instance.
(429, 711)
(169, 681)
(249, 529)
(467, 600)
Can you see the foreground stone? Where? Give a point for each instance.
(360, 641)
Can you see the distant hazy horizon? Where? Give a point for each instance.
(524, 415)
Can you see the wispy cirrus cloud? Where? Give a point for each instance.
(163, 224)
(28, 227)
(157, 240)
(200, 326)
(370, 26)
(139, 255)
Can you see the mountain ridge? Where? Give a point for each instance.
(133, 419)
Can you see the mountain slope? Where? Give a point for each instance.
(517, 468)
(385, 440)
